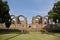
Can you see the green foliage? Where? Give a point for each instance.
(4, 13)
(56, 7)
(55, 12)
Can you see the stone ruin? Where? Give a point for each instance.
(38, 23)
(16, 24)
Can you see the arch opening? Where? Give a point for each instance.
(38, 19)
(21, 18)
(13, 19)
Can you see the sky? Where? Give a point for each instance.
(30, 8)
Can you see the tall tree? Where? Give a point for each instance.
(4, 13)
(56, 9)
(55, 12)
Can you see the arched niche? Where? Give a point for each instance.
(24, 19)
(36, 19)
(39, 19)
(21, 17)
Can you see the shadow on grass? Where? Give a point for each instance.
(52, 33)
(10, 31)
(12, 37)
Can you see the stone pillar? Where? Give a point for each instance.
(16, 22)
(34, 20)
(25, 22)
(42, 20)
(17, 19)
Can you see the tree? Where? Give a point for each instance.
(52, 15)
(56, 9)
(55, 12)
(4, 13)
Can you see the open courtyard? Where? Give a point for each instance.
(29, 36)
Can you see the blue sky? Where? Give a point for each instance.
(30, 8)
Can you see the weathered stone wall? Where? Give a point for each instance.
(17, 24)
(36, 25)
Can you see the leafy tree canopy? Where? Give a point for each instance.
(55, 12)
(4, 13)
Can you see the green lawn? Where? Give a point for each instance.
(30, 36)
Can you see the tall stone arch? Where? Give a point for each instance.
(36, 19)
(18, 24)
(23, 24)
(25, 19)
(36, 23)
(17, 20)
(39, 19)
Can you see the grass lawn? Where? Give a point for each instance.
(29, 36)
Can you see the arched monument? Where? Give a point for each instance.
(17, 24)
(36, 23)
